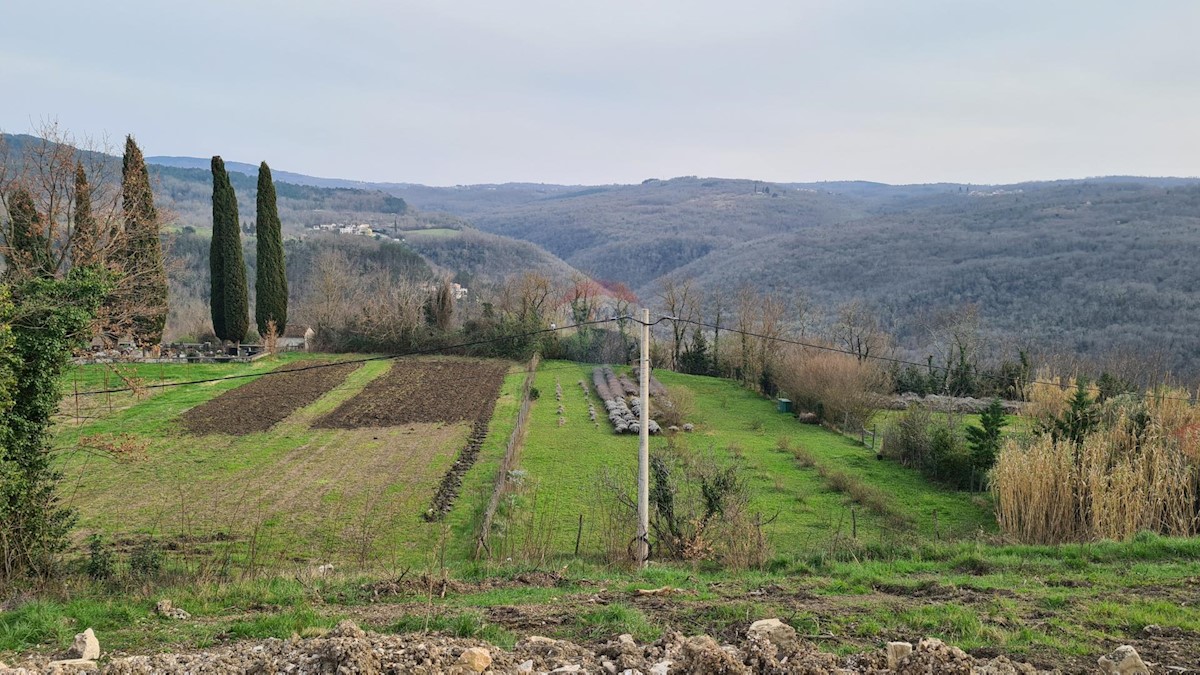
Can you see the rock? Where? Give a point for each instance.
(1124, 660)
(689, 427)
(85, 646)
(896, 651)
(164, 608)
(539, 640)
(661, 668)
(774, 631)
(608, 666)
(347, 629)
(71, 666)
(572, 668)
(476, 658)
(626, 639)
(525, 666)
(702, 654)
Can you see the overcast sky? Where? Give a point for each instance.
(449, 92)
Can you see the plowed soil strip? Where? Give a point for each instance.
(262, 403)
(422, 391)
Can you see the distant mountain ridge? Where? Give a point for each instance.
(1092, 265)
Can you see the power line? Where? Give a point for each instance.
(876, 357)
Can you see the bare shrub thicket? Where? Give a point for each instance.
(347, 302)
(839, 388)
(699, 511)
(676, 408)
(1136, 469)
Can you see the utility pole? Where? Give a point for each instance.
(643, 535)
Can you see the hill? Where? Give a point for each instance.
(1090, 266)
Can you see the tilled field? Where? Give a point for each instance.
(422, 391)
(262, 403)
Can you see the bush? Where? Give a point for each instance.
(934, 446)
(100, 564)
(840, 389)
(146, 560)
(676, 409)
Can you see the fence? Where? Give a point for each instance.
(515, 439)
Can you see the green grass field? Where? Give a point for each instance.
(292, 495)
(564, 465)
(431, 233)
(245, 519)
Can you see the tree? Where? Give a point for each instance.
(42, 321)
(80, 217)
(858, 330)
(28, 252)
(270, 290)
(85, 237)
(142, 248)
(985, 439)
(228, 296)
(679, 299)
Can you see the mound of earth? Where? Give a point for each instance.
(768, 647)
(266, 401)
(422, 391)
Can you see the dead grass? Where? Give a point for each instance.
(1137, 472)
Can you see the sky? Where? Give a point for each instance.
(446, 92)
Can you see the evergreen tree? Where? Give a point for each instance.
(28, 253)
(84, 234)
(985, 439)
(271, 291)
(146, 276)
(229, 302)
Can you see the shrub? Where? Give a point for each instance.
(840, 389)
(99, 565)
(676, 409)
(146, 559)
(934, 446)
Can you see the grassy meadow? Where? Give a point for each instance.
(855, 556)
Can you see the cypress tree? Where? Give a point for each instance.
(28, 252)
(271, 292)
(143, 263)
(228, 300)
(84, 235)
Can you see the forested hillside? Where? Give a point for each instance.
(1086, 267)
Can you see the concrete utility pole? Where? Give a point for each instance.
(643, 536)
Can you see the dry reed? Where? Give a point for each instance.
(1137, 471)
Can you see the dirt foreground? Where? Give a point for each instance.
(769, 646)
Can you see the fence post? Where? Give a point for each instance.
(853, 523)
(578, 535)
(936, 533)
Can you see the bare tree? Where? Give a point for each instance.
(859, 331)
(62, 174)
(680, 300)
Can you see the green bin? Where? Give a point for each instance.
(784, 405)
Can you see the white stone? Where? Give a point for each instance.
(1124, 660)
(573, 668)
(476, 659)
(525, 666)
(85, 646)
(897, 651)
(661, 668)
(774, 630)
